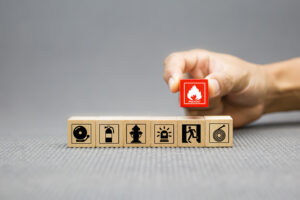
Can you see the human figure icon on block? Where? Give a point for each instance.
(190, 131)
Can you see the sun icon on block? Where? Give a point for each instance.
(164, 134)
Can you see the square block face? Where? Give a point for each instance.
(81, 133)
(194, 93)
(191, 132)
(164, 133)
(219, 131)
(137, 133)
(109, 133)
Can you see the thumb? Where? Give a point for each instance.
(220, 84)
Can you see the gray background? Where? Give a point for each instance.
(60, 58)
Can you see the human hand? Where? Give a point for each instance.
(236, 87)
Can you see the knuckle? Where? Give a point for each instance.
(171, 57)
(198, 50)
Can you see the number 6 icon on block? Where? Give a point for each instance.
(194, 93)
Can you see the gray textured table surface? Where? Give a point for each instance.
(264, 164)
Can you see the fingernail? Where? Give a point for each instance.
(171, 83)
(214, 84)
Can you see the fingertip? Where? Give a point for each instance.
(171, 83)
(174, 86)
(174, 83)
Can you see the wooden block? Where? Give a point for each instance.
(81, 132)
(219, 131)
(136, 132)
(194, 93)
(191, 131)
(109, 132)
(164, 132)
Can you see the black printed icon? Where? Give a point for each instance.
(219, 134)
(191, 131)
(109, 131)
(80, 133)
(164, 133)
(108, 134)
(136, 133)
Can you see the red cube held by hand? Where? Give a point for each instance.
(194, 93)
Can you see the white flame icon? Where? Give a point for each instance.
(194, 93)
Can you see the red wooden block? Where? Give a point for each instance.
(194, 93)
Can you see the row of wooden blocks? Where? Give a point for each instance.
(207, 131)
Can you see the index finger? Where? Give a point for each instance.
(194, 62)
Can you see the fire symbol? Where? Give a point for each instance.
(194, 93)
